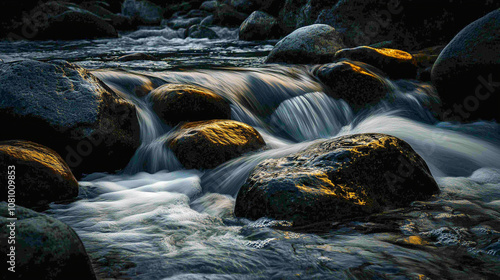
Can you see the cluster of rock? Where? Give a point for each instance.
(70, 124)
(464, 72)
(73, 124)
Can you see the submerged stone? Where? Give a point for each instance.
(343, 177)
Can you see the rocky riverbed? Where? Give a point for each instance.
(250, 139)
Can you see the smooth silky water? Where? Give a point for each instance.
(156, 220)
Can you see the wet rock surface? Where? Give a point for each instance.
(207, 144)
(66, 108)
(42, 175)
(46, 248)
(343, 177)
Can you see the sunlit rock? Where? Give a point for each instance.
(259, 26)
(396, 64)
(467, 72)
(42, 175)
(45, 248)
(357, 83)
(175, 103)
(207, 144)
(343, 177)
(65, 107)
(315, 43)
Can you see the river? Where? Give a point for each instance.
(156, 220)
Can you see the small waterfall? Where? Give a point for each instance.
(153, 155)
(311, 116)
(285, 103)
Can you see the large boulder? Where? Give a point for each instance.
(467, 72)
(63, 21)
(357, 83)
(315, 43)
(175, 103)
(45, 248)
(207, 144)
(38, 174)
(65, 107)
(396, 64)
(259, 26)
(338, 178)
(411, 24)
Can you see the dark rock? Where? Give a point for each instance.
(271, 7)
(357, 83)
(201, 31)
(176, 103)
(259, 26)
(146, 12)
(176, 9)
(209, 6)
(315, 43)
(207, 144)
(244, 6)
(42, 175)
(426, 57)
(226, 15)
(119, 22)
(136, 56)
(183, 22)
(298, 13)
(73, 25)
(197, 13)
(409, 23)
(467, 72)
(396, 64)
(424, 60)
(46, 248)
(344, 177)
(66, 108)
(208, 21)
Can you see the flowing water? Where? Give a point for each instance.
(157, 220)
